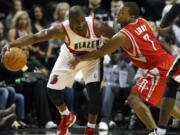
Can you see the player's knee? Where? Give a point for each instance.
(132, 100)
(56, 97)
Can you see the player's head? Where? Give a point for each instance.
(77, 18)
(128, 13)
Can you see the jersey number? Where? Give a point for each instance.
(146, 37)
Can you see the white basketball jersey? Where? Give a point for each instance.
(79, 44)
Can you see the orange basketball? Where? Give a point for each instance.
(15, 59)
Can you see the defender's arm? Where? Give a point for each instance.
(118, 40)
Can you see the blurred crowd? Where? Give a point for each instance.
(23, 95)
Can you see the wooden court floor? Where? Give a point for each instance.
(78, 131)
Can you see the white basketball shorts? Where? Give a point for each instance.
(62, 76)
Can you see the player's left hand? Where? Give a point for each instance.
(72, 64)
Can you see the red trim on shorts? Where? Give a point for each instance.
(94, 27)
(88, 30)
(81, 35)
(66, 34)
(76, 52)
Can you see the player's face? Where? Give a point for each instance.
(78, 23)
(123, 16)
(23, 20)
(38, 13)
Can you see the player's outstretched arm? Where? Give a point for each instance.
(44, 35)
(118, 40)
(102, 29)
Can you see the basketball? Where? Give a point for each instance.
(15, 59)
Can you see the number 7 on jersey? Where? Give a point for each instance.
(146, 37)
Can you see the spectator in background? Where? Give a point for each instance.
(3, 35)
(61, 14)
(94, 9)
(3, 9)
(8, 96)
(38, 23)
(115, 6)
(117, 77)
(17, 6)
(7, 117)
(21, 26)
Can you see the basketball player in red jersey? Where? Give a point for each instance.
(81, 35)
(137, 40)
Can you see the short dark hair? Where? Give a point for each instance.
(76, 11)
(133, 8)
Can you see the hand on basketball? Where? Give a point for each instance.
(5, 48)
(72, 64)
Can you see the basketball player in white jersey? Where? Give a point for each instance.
(81, 35)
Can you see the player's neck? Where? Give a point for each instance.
(130, 22)
(83, 33)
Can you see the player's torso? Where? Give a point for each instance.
(146, 52)
(80, 44)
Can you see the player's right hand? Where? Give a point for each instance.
(5, 48)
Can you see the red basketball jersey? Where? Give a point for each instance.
(146, 52)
